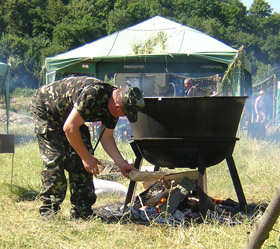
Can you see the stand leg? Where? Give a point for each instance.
(138, 162)
(236, 182)
(202, 182)
(202, 193)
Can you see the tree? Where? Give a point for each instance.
(271, 47)
(16, 17)
(233, 13)
(264, 71)
(260, 8)
(2, 22)
(12, 45)
(51, 16)
(78, 26)
(139, 11)
(117, 19)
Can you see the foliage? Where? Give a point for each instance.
(151, 45)
(117, 19)
(260, 8)
(264, 71)
(229, 81)
(31, 30)
(23, 92)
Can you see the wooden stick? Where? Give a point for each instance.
(264, 225)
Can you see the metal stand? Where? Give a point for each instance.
(236, 183)
(132, 184)
(7, 145)
(202, 183)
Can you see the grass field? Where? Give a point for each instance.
(21, 226)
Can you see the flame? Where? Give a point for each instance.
(217, 201)
(162, 200)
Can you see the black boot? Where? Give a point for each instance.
(49, 214)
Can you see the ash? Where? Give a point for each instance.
(219, 211)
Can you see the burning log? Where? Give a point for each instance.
(177, 195)
(157, 188)
(154, 200)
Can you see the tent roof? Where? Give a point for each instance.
(181, 40)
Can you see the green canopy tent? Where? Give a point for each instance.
(157, 45)
(4, 84)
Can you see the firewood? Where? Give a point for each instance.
(192, 175)
(107, 167)
(145, 176)
(154, 190)
(212, 206)
(154, 200)
(177, 195)
(265, 224)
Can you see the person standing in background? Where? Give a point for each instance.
(260, 107)
(190, 89)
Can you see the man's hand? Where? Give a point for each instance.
(109, 145)
(125, 168)
(90, 165)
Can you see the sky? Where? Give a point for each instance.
(274, 4)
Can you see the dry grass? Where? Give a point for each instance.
(21, 226)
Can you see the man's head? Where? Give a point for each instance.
(131, 101)
(261, 92)
(187, 83)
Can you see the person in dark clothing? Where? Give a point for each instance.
(60, 110)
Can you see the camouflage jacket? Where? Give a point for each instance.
(88, 95)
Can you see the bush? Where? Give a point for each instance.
(23, 92)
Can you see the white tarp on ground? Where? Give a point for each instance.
(103, 187)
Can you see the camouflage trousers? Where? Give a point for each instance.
(58, 156)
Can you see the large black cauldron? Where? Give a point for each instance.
(180, 132)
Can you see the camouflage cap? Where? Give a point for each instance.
(132, 101)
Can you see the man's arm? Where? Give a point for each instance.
(71, 128)
(109, 145)
(256, 105)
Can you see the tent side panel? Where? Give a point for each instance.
(159, 67)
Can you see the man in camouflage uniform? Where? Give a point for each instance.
(60, 110)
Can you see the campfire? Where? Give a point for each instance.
(174, 199)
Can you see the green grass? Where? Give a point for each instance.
(21, 226)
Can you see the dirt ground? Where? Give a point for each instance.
(15, 118)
